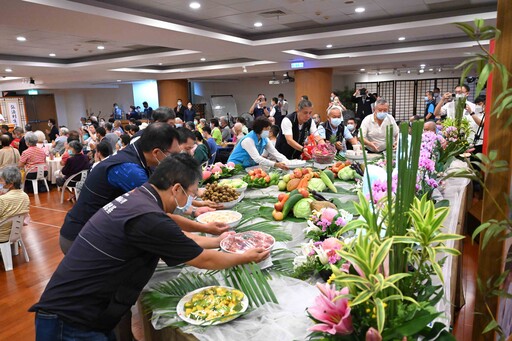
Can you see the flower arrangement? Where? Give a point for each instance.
(318, 257)
(326, 222)
(219, 170)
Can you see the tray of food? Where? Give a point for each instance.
(232, 218)
(212, 305)
(241, 242)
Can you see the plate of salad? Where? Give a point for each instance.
(212, 305)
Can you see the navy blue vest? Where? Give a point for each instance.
(328, 131)
(298, 135)
(97, 191)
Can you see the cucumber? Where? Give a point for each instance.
(292, 200)
(328, 182)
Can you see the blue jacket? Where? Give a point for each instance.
(239, 156)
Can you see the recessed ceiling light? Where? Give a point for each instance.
(195, 5)
(408, 71)
(203, 59)
(430, 69)
(422, 66)
(20, 38)
(118, 80)
(100, 47)
(328, 46)
(52, 54)
(258, 24)
(8, 70)
(421, 70)
(160, 64)
(360, 9)
(401, 38)
(362, 69)
(244, 69)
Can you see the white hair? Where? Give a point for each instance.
(334, 107)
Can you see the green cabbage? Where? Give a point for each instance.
(316, 184)
(347, 173)
(302, 209)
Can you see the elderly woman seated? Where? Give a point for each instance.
(76, 163)
(13, 200)
(32, 157)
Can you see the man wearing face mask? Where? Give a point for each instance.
(179, 109)
(430, 104)
(248, 151)
(374, 127)
(317, 119)
(334, 127)
(446, 107)
(189, 113)
(118, 250)
(436, 94)
(13, 200)
(117, 113)
(476, 123)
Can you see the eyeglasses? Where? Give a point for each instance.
(194, 196)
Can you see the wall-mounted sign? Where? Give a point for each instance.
(297, 65)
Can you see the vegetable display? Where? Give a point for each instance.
(213, 303)
(260, 178)
(302, 209)
(219, 171)
(339, 165)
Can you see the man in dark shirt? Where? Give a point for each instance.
(5, 131)
(53, 131)
(118, 250)
(364, 101)
(180, 109)
(148, 111)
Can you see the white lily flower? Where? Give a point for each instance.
(311, 227)
(299, 261)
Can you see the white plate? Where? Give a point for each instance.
(361, 157)
(295, 163)
(224, 241)
(180, 308)
(231, 224)
(225, 182)
(231, 204)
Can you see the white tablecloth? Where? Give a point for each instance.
(53, 166)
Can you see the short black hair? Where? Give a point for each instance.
(163, 114)
(465, 86)
(158, 135)
(5, 126)
(125, 139)
(135, 128)
(6, 140)
(52, 121)
(241, 120)
(275, 100)
(215, 122)
(260, 123)
(437, 89)
(104, 148)
(144, 102)
(199, 136)
(280, 95)
(207, 129)
(76, 146)
(185, 134)
(176, 169)
(128, 127)
(101, 131)
(305, 97)
(28, 127)
(108, 126)
(73, 136)
(190, 125)
(480, 99)
(275, 130)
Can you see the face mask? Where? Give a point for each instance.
(426, 99)
(179, 125)
(189, 107)
(70, 152)
(332, 98)
(264, 134)
(179, 103)
(336, 121)
(479, 109)
(382, 115)
(350, 127)
(86, 136)
(3, 190)
(182, 209)
(436, 94)
(459, 96)
(49, 124)
(195, 122)
(116, 107)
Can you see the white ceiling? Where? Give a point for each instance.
(138, 34)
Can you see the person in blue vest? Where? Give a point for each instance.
(248, 152)
(117, 252)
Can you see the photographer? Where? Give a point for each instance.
(364, 101)
(258, 108)
(446, 107)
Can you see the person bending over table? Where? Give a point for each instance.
(295, 129)
(248, 152)
(117, 252)
(374, 127)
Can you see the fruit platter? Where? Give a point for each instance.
(212, 305)
(241, 242)
(259, 178)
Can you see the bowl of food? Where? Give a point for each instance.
(324, 153)
(221, 194)
(212, 305)
(238, 184)
(241, 242)
(231, 218)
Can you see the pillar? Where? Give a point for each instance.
(317, 85)
(491, 260)
(169, 90)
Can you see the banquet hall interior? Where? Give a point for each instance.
(69, 65)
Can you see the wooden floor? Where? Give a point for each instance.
(22, 287)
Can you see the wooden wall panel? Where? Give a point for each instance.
(317, 85)
(170, 90)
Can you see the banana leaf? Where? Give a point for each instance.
(274, 229)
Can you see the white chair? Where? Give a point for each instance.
(14, 239)
(39, 177)
(78, 177)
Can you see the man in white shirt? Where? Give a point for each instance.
(283, 104)
(295, 129)
(446, 107)
(374, 127)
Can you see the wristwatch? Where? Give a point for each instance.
(471, 113)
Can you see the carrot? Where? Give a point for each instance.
(304, 181)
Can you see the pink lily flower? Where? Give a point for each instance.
(334, 314)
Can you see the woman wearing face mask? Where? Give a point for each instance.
(334, 130)
(248, 152)
(13, 200)
(76, 163)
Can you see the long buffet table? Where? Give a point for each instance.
(287, 320)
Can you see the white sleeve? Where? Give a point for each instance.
(321, 132)
(272, 112)
(444, 109)
(250, 148)
(272, 151)
(313, 130)
(364, 127)
(286, 127)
